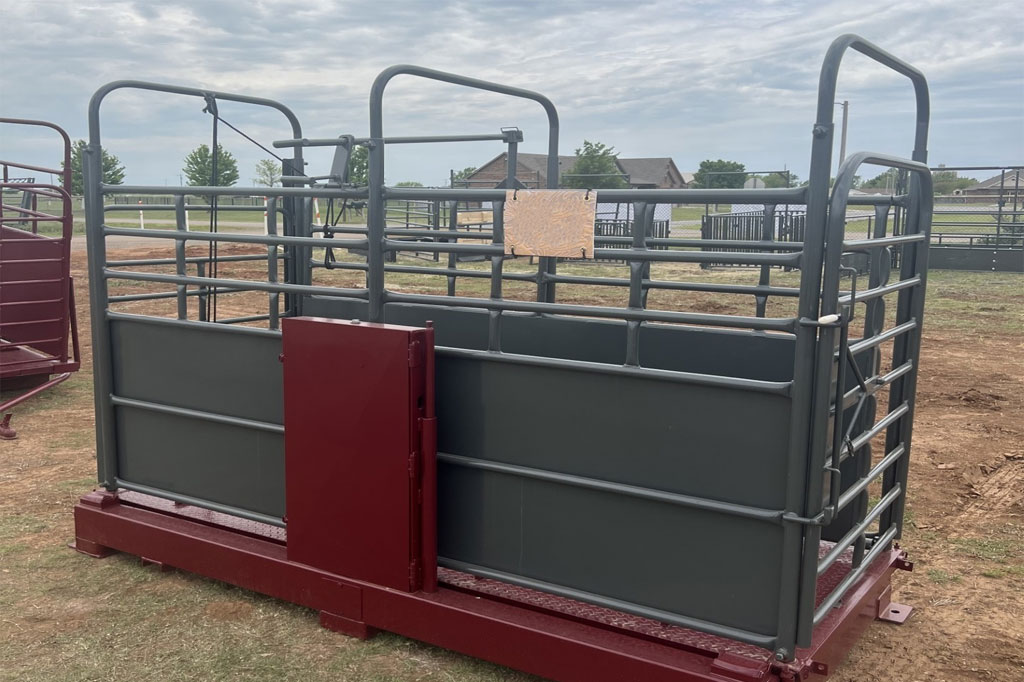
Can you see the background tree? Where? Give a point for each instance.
(596, 168)
(198, 168)
(268, 173)
(358, 167)
(408, 183)
(113, 171)
(888, 179)
(947, 182)
(774, 180)
(720, 174)
(463, 174)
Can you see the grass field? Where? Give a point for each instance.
(65, 617)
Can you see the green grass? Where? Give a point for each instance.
(695, 212)
(995, 549)
(975, 302)
(940, 577)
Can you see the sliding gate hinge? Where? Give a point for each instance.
(414, 573)
(415, 354)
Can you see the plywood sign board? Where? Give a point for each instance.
(550, 222)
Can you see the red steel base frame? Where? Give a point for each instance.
(552, 637)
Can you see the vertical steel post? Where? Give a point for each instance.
(96, 246)
(999, 206)
(767, 234)
(494, 316)
(271, 224)
(376, 221)
(179, 254)
(842, 139)
(643, 220)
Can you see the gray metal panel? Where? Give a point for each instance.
(717, 443)
(227, 464)
(217, 369)
(695, 563)
(750, 355)
(977, 258)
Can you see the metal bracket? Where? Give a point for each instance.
(891, 612)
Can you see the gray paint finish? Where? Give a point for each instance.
(722, 352)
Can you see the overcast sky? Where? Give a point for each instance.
(690, 80)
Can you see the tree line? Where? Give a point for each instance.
(595, 167)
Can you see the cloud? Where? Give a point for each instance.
(690, 80)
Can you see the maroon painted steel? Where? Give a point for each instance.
(552, 637)
(38, 327)
(355, 397)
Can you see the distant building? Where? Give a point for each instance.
(988, 191)
(531, 171)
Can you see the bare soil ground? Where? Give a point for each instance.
(64, 616)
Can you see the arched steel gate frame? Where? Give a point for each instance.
(602, 543)
(38, 325)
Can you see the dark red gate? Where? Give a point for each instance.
(38, 329)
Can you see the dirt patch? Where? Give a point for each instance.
(229, 610)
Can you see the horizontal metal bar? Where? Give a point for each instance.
(786, 324)
(27, 282)
(878, 200)
(868, 478)
(874, 384)
(671, 256)
(879, 426)
(246, 318)
(197, 414)
(23, 261)
(879, 339)
(861, 440)
(218, 283)
(180, 235)
(127, 298)
(191, 259)
(36, 390)
(25, 166)
(675, 256)
(205, 208)
(764, 641)
(780, 388)
(878, 292)
(192, 324)
(753, 290)
(320, 192)
(620, 196)
(48, 300)
(853, 576)
(756, 290)
(880, 242)
(336, 141)
(197, 502)
(755, 513)
(858, 530)
(31, 342)
(342, 229)
(8, 324)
